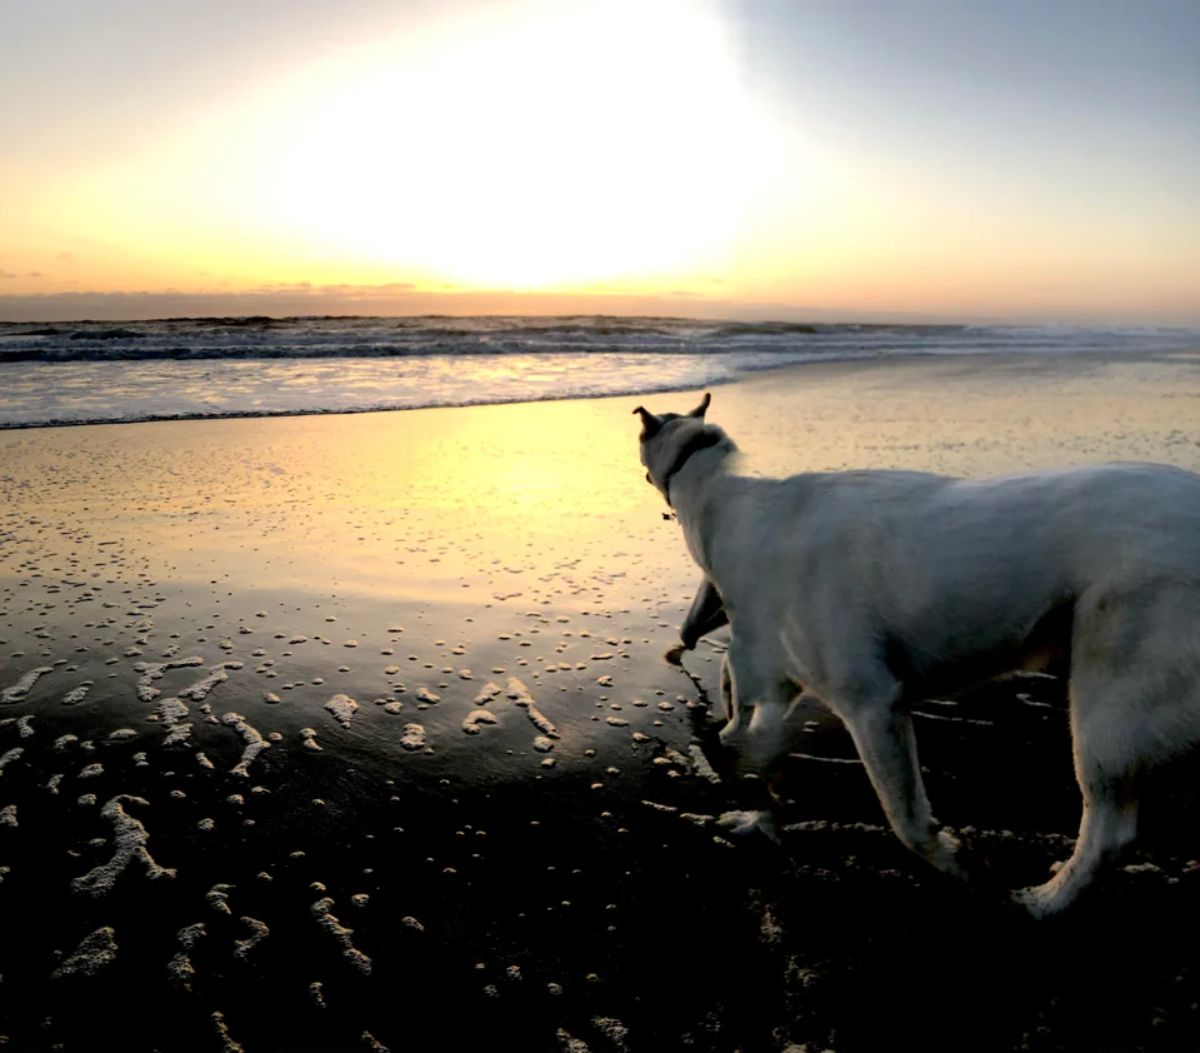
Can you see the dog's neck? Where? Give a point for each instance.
(691, 490)
(702, 440)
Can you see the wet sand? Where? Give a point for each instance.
(350, 733)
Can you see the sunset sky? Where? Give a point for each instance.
(1027, 159)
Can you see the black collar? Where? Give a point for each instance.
(702, 440)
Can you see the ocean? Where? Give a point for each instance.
(176, 368)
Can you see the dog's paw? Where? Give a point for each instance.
(950, 855)
(1034, 900)
(742, 823)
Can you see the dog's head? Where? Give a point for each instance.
(669, 439)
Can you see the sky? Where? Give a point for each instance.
(1022, 160)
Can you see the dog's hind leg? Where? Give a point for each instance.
(726, 690)
(1108, 827)
(1135, 678)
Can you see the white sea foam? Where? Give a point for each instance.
(322, 911)
(412, 737)
(701, 765)
(22, 687)
(258, 933)
(217, 898)
(231, 367)
(228, 1045)
(180, 968)
(254, 741)
(342, 708)
(94, 952)
(519, 693)
(129, 844)
(201, 689)
(77, 694)
(10, 757)
(476, 717)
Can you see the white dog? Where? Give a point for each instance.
(871, 589)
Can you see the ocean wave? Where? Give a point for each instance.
(182, 368)
(262, 337)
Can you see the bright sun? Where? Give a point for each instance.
(543, 145)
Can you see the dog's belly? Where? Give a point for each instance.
(952, 666)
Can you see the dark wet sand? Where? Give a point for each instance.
(180, 868)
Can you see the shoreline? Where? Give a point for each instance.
(848, 361)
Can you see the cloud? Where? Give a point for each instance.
(304, 298)
(8, 274)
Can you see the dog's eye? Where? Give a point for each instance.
(648, 479)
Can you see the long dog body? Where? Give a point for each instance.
(872, 589)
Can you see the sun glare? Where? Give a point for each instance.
(538, 146)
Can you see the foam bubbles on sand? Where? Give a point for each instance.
(10, 757)
(180, 968)
(343, 708)
(327, 921)
(309, 737)
(172, 711)
(93, 954)
(254, 741)
(228, 1045)
(77, 694)
(199, 691)
(701, 765)
(519, 693)
(479, 716)
(129, 842)
(151, 671)
(258, 933)
(8, 815)
(571, 1044)
(612, 1029)
(413, 737)
(217, 897)
(22, 687)
(487, 693)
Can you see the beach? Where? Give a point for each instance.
(353, 731)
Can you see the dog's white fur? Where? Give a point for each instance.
(870, 588)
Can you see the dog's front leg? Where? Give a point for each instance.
(888, 748)
(756, 708)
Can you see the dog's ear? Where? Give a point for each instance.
(650, 423)
(699, 411)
